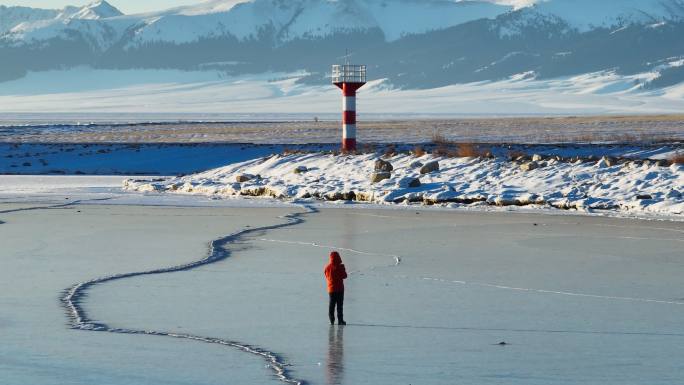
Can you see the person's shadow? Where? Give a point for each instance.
(335, 366)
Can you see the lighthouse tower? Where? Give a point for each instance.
(349, 78)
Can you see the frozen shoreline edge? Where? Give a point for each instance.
(629, 189)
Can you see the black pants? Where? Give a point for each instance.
(336, 299)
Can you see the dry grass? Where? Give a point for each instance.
(418, 151)
(390, 151)
(294, 151)
(677, 158)
(514, 154)
(468, 150)
(440, 140)
(367, 148)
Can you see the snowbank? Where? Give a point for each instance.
(633, 187)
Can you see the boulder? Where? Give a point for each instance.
(349, 196)
(536, 158)
(644, 197)
(529, 166)
(674, 194)
(380, 176)
(241, 178)
(334, 196)
(430, 167)
(382, 165)
(416, 164)
(409, 182)
(606, 161)
(300, 170)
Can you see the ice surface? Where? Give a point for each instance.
(572, 296)
(577, 299)
(46, 251)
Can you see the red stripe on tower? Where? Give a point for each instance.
(349, 78)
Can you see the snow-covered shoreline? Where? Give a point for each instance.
(639, 187)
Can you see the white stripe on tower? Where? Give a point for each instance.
(349, 120)
(349, 103)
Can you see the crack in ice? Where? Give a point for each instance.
(218, 251)
(544, 291)
(481, 284)
(397, 258)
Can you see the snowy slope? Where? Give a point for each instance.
(585, 15)
(10, 17)
(86, 90)
(629, 188)
(97, 10)
(414, 44)
(50, 24)
(310, 18)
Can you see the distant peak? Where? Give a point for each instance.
(97, 10)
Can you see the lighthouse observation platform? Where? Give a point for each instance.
(348, 73)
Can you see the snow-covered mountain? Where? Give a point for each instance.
(286, 19)
(95, 11)
(412, 43)
(11, 17)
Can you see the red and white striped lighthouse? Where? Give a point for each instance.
(349, 78)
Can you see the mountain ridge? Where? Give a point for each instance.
(446, 43)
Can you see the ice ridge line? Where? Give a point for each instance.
(72, 299)
(55, 206)
(395, 258)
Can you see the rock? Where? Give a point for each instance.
(334, 196)
(674, 194)
(610, 161)
(382, 165)
(409, 182)
(662, 163)
(241, 178)
(430, 167)
(380, 176)
(416, 164)
(536, 158)
(529, 166)
(300, 170)
(349, 196)
(644, 197)
(606, 161)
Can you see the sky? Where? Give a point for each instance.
(136, 6)
(125, 6)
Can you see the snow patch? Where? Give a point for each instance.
(632, 187)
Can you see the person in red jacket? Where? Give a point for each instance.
(335, 274)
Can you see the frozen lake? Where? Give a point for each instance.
(577, 299)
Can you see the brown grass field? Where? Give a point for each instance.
(598, 129)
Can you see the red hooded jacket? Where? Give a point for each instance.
(335, 273)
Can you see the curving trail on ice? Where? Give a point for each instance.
(72, 299)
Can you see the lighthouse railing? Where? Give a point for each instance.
(348, 73)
